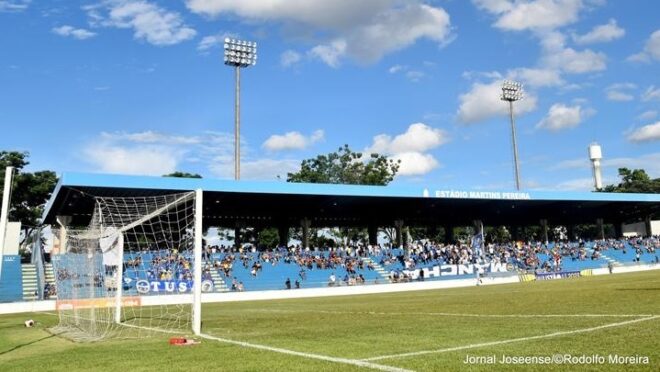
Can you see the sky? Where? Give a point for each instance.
(139, 87)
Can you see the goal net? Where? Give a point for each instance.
(134, 270)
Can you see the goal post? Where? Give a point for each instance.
(197, 289)
(135, 270)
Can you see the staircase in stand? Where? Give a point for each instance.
(378, 269)
(219, 284)
(29, 278)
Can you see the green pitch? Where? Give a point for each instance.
(423, 331)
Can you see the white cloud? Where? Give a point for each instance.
(364, 30)
(576, 62)
(532, 15)
(536, 77)
(483, 102)
(213, 41)
(647, 133)
(76, 33)
(651, 94)
(648, 115)
(157, 153)
(410, 147)
(150, 136)
(149, 21)
(415, 163)
(600, 34)
(396, 68)
(651, 49)
(412, 75)
(620, 92)
(649, 162)
(578, 184)
(139, 160)
(543, 17)
(557, 56)
(289, 58)
(259, 169)
(9, 6)
(561, 117)
(209, 42)
(418, 137)
(330, 53)
(292, 141)
(572, 164)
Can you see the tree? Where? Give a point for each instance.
(634, 181)
(346, 167)
(30, 191)
(179, 174)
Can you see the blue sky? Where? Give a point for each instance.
(139, 87)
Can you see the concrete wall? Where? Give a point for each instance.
(12, 238)
(11, 282)
(639, 229)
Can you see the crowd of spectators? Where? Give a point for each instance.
(347, 264)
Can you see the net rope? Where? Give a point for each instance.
(129, 273)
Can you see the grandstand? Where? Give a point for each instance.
(157, 272)
(283, 205)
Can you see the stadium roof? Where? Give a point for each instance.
(275, 203)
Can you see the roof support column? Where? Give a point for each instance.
(618, 229)
(601, 228)
(449, 234)
(64, 222)
(544, 228)
(515, 234)
(647, 226)
(305, 223)
(432, 232)
(398, 226)
(237, 234)
(373, 234)
(570, 231)
(283, 234)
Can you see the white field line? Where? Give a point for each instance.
(354, 362)
(455, 314)
(493, 343)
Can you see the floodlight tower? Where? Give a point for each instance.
(511, 92)
(595, 155)
(239, 54)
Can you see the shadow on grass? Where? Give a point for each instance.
(25, 344)
(637, 289)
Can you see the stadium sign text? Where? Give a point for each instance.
(559, 275)
(449, 270)
(170, 286)
(463, 194)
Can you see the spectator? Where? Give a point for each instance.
(332, 280)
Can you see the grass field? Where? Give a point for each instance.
(422, 331)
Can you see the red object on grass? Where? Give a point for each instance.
(177, 340)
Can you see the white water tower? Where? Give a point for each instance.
(595, 155)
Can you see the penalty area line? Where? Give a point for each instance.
(494, 343)
(354, 362)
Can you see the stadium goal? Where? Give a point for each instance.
(136, 269)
